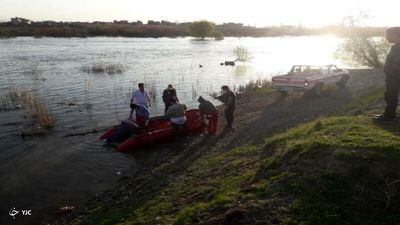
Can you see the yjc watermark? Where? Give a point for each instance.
(24, 212)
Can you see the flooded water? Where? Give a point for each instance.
(44, 173)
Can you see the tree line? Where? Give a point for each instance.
(202, 29)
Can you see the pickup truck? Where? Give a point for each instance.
(310, 78)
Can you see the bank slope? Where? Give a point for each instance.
(343, 169)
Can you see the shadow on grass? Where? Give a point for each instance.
(391, 127)
(285, 113)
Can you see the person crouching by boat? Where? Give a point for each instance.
(142, 114)
(176, 113)
(209, 113)
(126, 129)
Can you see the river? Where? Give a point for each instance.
(43, 173)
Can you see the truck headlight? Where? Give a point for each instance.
(306, 84)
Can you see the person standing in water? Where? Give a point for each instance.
(168, 95)
(140, 97)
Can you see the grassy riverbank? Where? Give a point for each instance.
(302, 160)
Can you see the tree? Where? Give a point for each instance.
(218, 35)
(364, 51)
(201, 29)
(361, 49)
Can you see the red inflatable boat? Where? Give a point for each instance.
(159, 129)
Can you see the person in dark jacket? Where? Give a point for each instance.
(209, 114)
(168, 95)
(228, 97)
(392, 71)
(126, 129)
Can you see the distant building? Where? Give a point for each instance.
(232, 25)
(152, 22)
(167, 23)
(137, 23)
(19, 21)
(121, 22)
(49, 23)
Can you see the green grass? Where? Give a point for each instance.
(364, 104)
(337, 170)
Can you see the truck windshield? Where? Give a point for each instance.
(306, 69)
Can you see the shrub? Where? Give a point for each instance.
(201, 29)
(218, 35)
(361, 49)
(102, 67)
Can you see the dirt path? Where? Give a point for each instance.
(258, 115)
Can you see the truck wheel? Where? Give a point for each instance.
(343, 81)
(317, 90)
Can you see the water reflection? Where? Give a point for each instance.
(241, 70)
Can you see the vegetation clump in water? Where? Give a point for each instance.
(242, 54)
(34, 106)
(102, 67)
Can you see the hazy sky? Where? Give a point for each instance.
(249, 12)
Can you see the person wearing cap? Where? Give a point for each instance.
(209, 113)
(142, 114)
(392, 71)
(176, 113)
(228, 97)
(168, 94)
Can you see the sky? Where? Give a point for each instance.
(310, 13)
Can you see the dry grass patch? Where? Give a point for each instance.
(35, 107)
(103, 67)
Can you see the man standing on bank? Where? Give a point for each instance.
(228, 97)
(392, 71)
(140, 97)
(168, 95)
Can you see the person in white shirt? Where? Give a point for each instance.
(140, 97)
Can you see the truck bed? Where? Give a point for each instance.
(297, 76)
